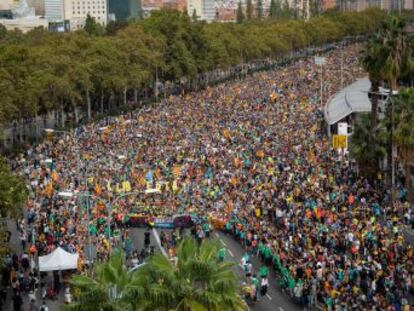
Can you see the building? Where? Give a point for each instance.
(205, 9)
(54, 10)
(6, 4)
(209, 10)
(224, 14)
(20, 16)
(180, 5)
(38, 5)
(195, 5)
(76, 12)
(24, 24)
(124, 9)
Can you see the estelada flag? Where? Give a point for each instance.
(55, 176)
(273, 96)
(134, 172)
(98, 189)
(176, 171)
(237, 162)
(260, 154)
(226, 134)
(49, 189)
(141, 180)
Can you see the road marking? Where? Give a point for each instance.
(281, 309)
(157, 238)
(231, 254)
(270, 297)
(222, 242)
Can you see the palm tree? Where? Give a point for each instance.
(397, 50)
(372, 59)
(111, 288)
(386, 56)
(196, 282)
(367, 154)
(404, 130)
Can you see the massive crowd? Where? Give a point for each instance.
(251, 152)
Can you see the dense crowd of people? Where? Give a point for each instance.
(251, 152)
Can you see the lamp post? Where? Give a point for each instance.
(108, 204)
(79, 166)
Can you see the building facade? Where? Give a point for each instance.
(124, 9)
(205, 9)
(24, 24)
(6, 4)
(54, 10)
(76, 12)
(38, 5)
(195, 5)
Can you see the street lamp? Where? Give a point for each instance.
(108, 205)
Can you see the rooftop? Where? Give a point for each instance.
(353, 98)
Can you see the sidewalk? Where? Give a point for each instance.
(17, 249)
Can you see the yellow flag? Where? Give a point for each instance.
(126, 186)
(176, 171)
(118, 189)
(226, 134)
(55, 176)
(98, 189)
(175, 186)
(49, 189)
(108, 186)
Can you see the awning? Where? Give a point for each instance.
(353, 98)
(58, 260)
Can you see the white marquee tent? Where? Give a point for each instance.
(58, 260)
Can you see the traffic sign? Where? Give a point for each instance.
(339, 141)
(343, 128)
(320, 60)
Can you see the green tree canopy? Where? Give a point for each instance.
(240, 13)
(92, 27)
(198, 281)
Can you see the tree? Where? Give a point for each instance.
(259, 9)
(13, 194)
(3, 32)
(92, 27)
(368, 155)
(111, 288)
(395, 42)
(114, 26)
(249, 10)
(372, 59)
(273, 9)
(397, 61)
(404, 129)
(240, 14)
(194, 17)
(198, 281)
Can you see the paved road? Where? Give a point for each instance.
(275, 300)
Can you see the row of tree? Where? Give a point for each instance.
(198, 280)
(86, 70)
(388, 59)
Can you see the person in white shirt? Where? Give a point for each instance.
(44, 307)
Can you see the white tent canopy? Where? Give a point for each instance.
(353, 98)
(58, 260)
